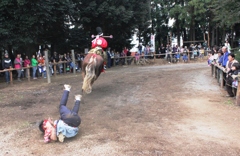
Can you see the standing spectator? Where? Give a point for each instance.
(112, 57)
(229, 80)
(210, 59)
(225, 56)
(174, 50)
(125, 50)
(228, 46)
(18, 66)
(108, 58)
(22, 70)
(122, 60)
(137, 58)
(41, 66)
(158, 52)
(55, 58)
(168, 53)
(201, 52)
(34, 63)
(140, 48)
(151, 50)
(205, 45)
(117, 58)
(220, 57)
(7, 64)
(146, 51)
(27, 64)
(163, 51)
(60, 63)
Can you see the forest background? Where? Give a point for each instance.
(62, 25)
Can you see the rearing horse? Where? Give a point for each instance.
(92, 66)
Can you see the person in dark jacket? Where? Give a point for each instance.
(233, 78)
(7, 64)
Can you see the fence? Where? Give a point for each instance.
(126, 60)
(219, 73)
(190, 56)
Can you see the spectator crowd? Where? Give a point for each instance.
(37, 65)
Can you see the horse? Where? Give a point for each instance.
(92, 66)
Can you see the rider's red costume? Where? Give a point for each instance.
(99, 41)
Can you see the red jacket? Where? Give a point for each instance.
(26, 62)
(99, 42)
(17, 63)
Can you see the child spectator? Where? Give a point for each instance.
(210, 59)
(137, 57)
(201, 53)
(41, 66)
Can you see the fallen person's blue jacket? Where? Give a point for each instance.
(66, 130)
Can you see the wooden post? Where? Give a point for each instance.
(221, 78)
(214, 71)
(114, 63)
(10, 74)
(47, 66)
(218, 76)
(28, 70)
(74, 62)
(54, 68)
(238, 92)
(154, 54)
(64, 67)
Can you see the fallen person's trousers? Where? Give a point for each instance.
(70, 117)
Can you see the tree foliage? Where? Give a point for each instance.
(68, 24)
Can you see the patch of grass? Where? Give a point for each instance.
(23, 125)
(229, 102)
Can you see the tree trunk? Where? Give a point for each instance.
(209, 30)
(185, 36)
(178, 32)
(232, 37)
(192, 26)
(223, 36)
(213, 37)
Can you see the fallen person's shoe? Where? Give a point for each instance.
(67, 87)
(61, 137)
(78, 97)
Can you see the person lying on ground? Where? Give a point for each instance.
(67, 125)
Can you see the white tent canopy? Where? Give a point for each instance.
(134, 49)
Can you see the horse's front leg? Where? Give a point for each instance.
(83, 76)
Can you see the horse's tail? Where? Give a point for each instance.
(90, 75)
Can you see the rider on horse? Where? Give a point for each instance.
(98, 44)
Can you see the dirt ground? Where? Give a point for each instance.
(172, 109)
